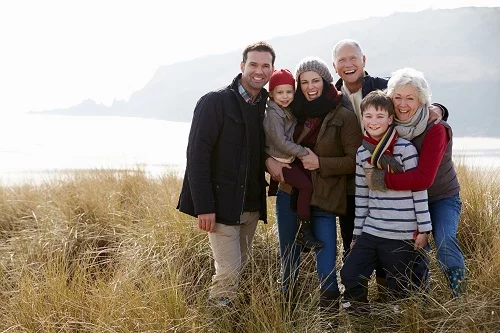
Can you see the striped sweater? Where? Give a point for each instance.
(391, 214)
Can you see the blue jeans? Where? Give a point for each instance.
(325, 230)
(445, 214)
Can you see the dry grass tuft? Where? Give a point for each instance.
(106, 251)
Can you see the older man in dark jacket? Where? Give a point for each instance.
(224, 184)
(355, 83)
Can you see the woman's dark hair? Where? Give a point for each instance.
(330, 97)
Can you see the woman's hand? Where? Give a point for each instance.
(421, 241)
(435, 114)
(275, 169)
(310, 161)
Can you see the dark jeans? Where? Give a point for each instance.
(445, 214)
(346, 223)
(325, 229)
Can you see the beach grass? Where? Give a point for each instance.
(107, 251)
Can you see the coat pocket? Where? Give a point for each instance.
(227, 200)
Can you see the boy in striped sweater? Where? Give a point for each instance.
(390, 227)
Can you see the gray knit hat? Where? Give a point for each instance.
(314, 64)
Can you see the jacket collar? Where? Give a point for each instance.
(340, 83)
(234, 87)
(272, 105)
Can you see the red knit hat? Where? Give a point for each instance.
(279, 77)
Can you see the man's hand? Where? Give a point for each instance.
(206, 222)
(352, 244)
(275, 169)
(310, 161)
(435, 114)
(421, 241)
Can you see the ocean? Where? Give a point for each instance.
(34, 147)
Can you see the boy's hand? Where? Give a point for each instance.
(421, 241)
(352, 244)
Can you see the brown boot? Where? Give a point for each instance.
(305, 236)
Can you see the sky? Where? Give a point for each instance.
(57, 53)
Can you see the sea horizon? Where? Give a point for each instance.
(36, 147)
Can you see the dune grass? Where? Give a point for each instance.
(106, 251)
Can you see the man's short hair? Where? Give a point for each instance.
(259, 47)
(379, 100)
(345, 42)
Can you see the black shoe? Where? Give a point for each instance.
(329, 309)
(305, 237)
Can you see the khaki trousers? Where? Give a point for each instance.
(230, 247)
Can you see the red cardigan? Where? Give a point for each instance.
(430, 156)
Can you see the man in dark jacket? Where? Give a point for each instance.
(224, 184)
(355, 83)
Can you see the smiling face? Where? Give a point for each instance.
(376, 121)
(256, 71)
(282, 94)
(349, 64)
(311, 85)
(406, 102)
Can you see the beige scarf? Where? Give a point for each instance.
(414, 126)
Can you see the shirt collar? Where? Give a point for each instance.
(246, 96)
(347, 89)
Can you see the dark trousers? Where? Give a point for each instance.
(299, 179)
(396, 258)
(347, 225)
(346, 229)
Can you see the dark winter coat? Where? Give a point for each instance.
(218, 157)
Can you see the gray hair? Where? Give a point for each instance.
(408, 75)
(344, 42)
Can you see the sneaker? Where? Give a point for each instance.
(346, 305)
(220, 302)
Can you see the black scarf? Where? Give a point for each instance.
(317, 108)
